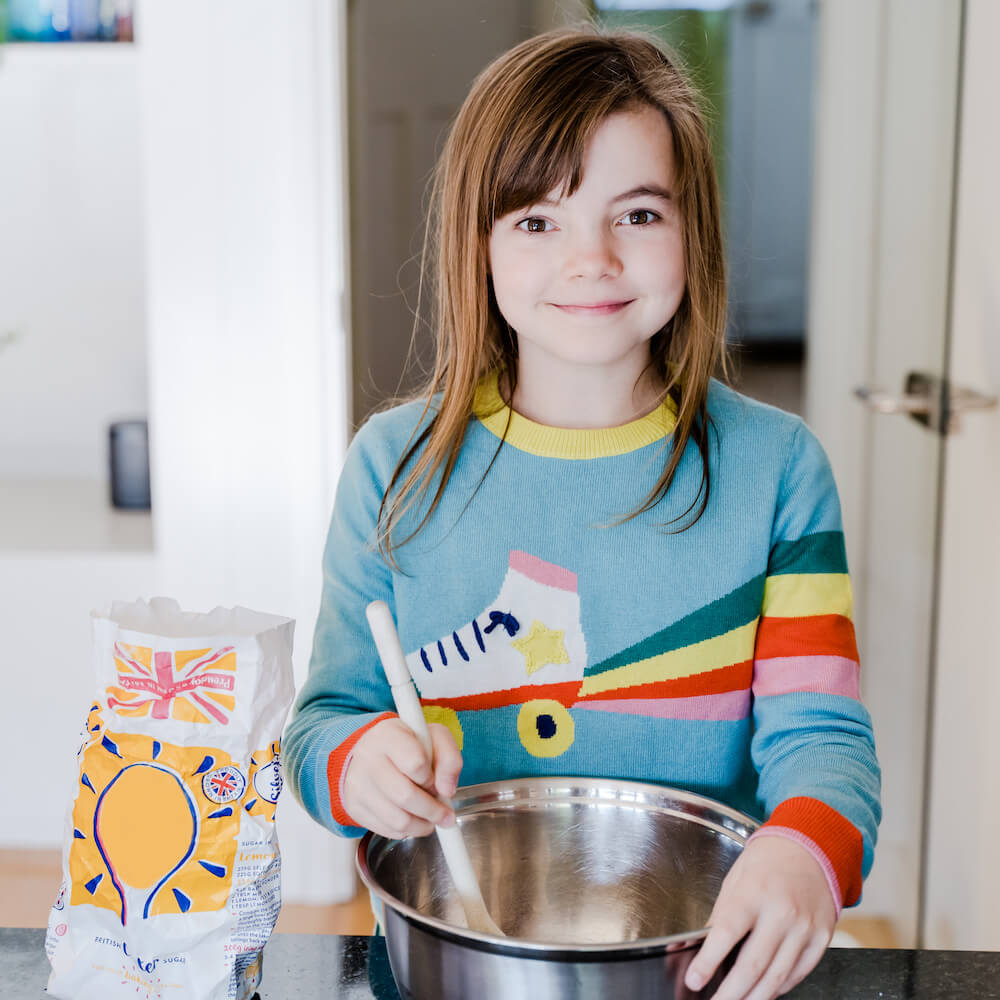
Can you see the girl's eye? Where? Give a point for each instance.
(533, 225)
(639, 217)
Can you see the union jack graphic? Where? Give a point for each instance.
(180, 684)
(224, 784)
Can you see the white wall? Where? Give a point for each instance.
(72, 329)
(229, 257)
(246, 280)
(48, 676)
(72, 359)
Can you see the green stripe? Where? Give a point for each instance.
(736, 609)
(822, 552)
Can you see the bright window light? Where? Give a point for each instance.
(664, 4)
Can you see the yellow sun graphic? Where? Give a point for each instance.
(156, 825)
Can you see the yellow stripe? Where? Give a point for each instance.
(563, 442)
(796, 595)
(731, 647)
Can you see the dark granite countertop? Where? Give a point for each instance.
(351, 968)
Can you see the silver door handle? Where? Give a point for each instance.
(882, 402)
(925, 399)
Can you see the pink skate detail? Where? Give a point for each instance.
(543, 572)
(729, 706)
(821, 674)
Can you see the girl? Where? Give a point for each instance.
(602, 561)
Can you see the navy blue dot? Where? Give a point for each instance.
(546, 726)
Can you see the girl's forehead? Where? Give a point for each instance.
(627, 152)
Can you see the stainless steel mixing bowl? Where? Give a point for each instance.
(602, 887)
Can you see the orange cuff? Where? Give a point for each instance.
(835, 838)
(335, 765)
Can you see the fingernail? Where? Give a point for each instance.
(694, 981)
(449, 820)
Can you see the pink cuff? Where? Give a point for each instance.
(813, 848)
(343, 775)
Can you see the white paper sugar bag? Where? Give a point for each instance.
(171, 872)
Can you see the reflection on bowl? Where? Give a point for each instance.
(595, 881)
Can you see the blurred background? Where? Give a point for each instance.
(210, 223)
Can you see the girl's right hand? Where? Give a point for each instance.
(388, 786)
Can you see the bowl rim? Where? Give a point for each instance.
(471, 799)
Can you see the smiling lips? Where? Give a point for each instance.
(596, 309)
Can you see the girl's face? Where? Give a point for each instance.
(589, 279)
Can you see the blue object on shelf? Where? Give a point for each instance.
(28, 22)
(85, 20)
(38, 20)
(129, 461)
(66, 20)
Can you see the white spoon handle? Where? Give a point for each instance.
(404, 694)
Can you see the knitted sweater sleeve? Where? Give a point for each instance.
(346, 692)
(813, 747)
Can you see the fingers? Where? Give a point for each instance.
(382, 788)
(447, 760)
(808, 961)
(406, 752)
(722, 938)
(774, 958)
(382, 817)
(777, 963)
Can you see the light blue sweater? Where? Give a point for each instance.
(719, 659)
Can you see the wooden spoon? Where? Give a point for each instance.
(404, 694)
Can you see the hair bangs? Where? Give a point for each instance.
(547, 132)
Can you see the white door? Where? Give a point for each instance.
(963, 870)
(889, 269)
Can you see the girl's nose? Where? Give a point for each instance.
(593, 258)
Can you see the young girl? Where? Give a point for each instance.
(602, 561)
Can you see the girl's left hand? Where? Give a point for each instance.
(778, 893)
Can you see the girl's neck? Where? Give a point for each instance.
(584, 398)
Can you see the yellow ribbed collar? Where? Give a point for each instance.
(562, 442)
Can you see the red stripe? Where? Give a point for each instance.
(209, 707)
(814, 635)
(736, 677)
(335, 764)
(212, 657)
(130, 661)
(566, 692)
(834, 835)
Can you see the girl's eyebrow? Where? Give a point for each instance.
(641, 191)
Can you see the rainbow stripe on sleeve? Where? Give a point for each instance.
(805, 637)
(806, 643)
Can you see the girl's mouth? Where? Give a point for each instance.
(594, 309)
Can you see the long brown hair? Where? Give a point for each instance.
(520, 134)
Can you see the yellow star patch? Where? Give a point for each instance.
(541, 646)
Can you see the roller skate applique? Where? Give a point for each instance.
(525, 648)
